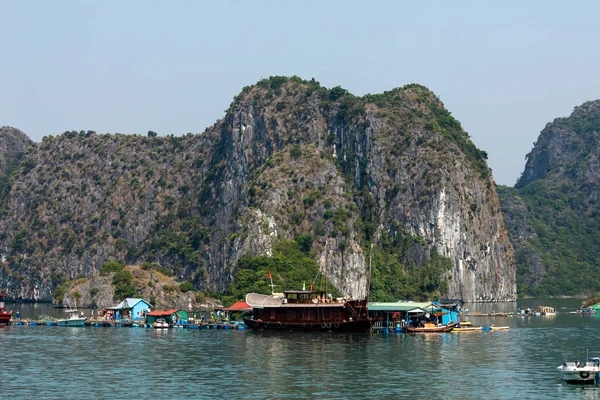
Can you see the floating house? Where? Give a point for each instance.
(137, 307)
(396, 316)
(237, 311)
(173, 317)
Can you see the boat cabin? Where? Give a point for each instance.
(305, 307)
(309, 296)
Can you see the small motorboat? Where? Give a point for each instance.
(431, 327)
(160, 323)
(576, 372)
(471, 328)
(499, 328)
(73, 320)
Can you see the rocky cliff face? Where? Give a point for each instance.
(13, 144)
(552, 213)
(567, 147)
(289, 157)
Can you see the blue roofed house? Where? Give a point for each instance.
(139, 308)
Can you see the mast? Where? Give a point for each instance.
(369, 276)
(326, 263)
(272, 286)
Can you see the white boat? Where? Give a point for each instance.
(160, 323)
(578, 372)
(73, 320)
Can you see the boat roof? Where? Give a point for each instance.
(256, 300)
(304, 292)
(402, 306)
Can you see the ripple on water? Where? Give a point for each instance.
(57, 362)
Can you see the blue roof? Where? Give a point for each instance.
(129, 303)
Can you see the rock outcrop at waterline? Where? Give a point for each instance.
(289, 157)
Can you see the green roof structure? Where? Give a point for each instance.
(402, 306)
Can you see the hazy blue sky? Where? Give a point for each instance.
(504, 69)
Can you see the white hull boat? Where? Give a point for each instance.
(160, 323)
(73, 321)
(577, 372)
(74, 318)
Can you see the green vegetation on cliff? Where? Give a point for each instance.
(289, 160)
(290, 267)
(553, 213)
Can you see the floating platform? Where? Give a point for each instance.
(97, 323)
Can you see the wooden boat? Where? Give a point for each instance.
(306, 310)
(467, 328)
(499, 328)
(431, 327)
(5, 316)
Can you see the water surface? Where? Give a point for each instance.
(79, 363)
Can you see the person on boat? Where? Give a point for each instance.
(18, 315)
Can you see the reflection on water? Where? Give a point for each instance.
(58, 362)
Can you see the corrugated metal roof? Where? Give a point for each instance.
(239, 306)
(400, 306)
(163, 313)
(128, 303)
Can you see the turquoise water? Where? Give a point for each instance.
(81, 363)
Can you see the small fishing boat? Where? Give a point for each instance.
(467, 328)
(74, 318)
(499, 328)
(576, 372)
(5, 316)
(431, 327)
(160, 323)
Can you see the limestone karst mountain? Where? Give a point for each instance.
(289, 157)
(552, 212)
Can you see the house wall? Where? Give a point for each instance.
(136, 311)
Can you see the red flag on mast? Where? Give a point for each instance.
(269, 274)
(311, 286)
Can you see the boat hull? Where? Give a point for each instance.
(578, 375)
(468, 329)
(71, 322)
(437, 329)
(5, 318)
(346, 326)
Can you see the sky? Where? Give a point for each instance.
(503, 69)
